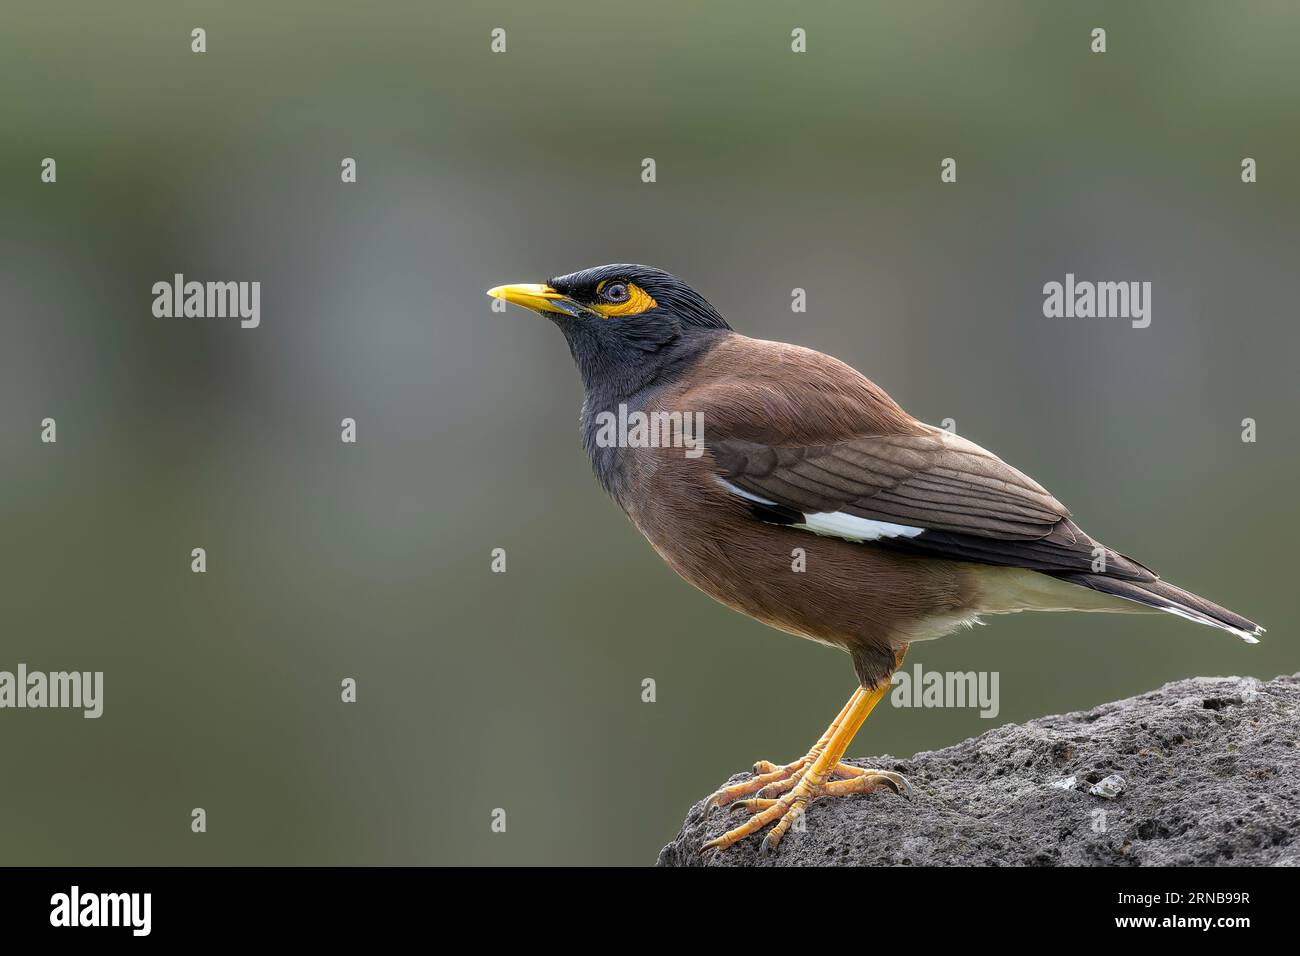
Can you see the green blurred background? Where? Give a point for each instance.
(775, 170)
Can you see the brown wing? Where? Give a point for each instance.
(970, 504)
(934, 480)
(869, 460)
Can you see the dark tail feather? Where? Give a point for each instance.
(1166, 597)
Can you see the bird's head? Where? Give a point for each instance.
(624, 323)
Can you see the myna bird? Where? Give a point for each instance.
(908, 531)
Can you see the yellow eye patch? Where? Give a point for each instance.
(638, 300)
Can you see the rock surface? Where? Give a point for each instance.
(1208, 768)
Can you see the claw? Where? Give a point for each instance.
(904, 788)
(896, 781)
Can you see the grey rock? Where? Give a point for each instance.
(1209, 768)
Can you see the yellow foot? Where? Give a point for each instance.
(808, 778)
(770, 779)
(801, 783)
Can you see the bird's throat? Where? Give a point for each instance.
(624, 389)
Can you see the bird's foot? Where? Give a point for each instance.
(801, 782)
(766, 774)
(770, 779)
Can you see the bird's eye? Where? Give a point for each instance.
(621, 298)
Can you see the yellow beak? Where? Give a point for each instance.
(539, 298)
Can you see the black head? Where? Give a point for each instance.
(626, 325)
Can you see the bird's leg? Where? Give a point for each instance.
(768, 774)
(811, 776)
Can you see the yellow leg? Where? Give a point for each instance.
(810, 777)
(768, 774)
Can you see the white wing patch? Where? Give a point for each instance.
(835, 524)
